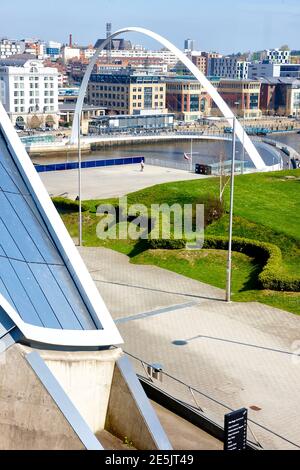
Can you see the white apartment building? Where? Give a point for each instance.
(8, 48)
(277, 56)
(229, 67)
(29, 92)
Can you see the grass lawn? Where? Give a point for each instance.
(266, 209)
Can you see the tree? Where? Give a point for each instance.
(285, 47)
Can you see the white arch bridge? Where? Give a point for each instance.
(210, 89)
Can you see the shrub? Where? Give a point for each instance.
(68, 205)
(163, 244)
(272, 276)
(213, 208)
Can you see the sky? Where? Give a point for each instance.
(216, 25)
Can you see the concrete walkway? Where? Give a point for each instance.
(240, 354)
(98, 183)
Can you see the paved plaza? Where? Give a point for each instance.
(240, 354)
(113, 181)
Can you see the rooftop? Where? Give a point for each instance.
(17, 60)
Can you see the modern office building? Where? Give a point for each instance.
(64, 386)
(273, 70)
(290, 71)
(53, 49)
(127, 92)
(228, 67)
(263, 70)
(186, 98)
(29, 92)
(280, 96)
(135, 123)
(190, 45)
(242, 96)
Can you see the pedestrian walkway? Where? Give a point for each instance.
(241, 354)
(101, 183)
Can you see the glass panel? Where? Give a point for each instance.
(18, 294)
(32, 225)
(7, 243)
(55, 296)
(11, 168)
(6, 183)
(63, 278)
(36, 295)
(11, 216)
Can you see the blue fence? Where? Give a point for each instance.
(88, 164)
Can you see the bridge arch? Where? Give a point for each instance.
(210, 89)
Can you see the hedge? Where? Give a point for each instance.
(272, 276)
(68, 205)
(164, 244)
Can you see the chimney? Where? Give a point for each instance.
(70, 40)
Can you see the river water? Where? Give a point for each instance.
(206, 152)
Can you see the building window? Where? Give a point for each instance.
(148, 97)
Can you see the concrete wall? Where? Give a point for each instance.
(86, 377)
(29, 418)
(124, 419)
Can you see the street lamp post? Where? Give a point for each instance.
(79, 185)
(243, 157)
(229, 255)
(191, 154)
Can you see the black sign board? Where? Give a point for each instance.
(235, 430)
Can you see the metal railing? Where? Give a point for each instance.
(208, 406)
(168, 164)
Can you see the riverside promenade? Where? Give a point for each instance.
(100, 183)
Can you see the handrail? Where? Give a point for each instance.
(214, 400)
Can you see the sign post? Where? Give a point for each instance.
(235, 430)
